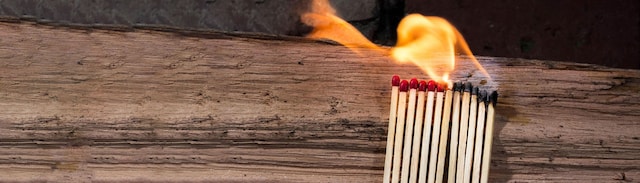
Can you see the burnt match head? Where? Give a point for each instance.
(431, 85)
(413, 84)
(422, 86)
(395, 80)
(474, 91)
(404, 86)
(455, 86)
(493, 98)
(482, 96)
(468, 87)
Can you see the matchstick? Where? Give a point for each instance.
(393, 109)
(408, 132)
(397, 149)
(435, 135)
(473, 111)
(477, 154)
(417, 132)
(444, 133)
(486, 155)
(426, 133)
(464, 127)
(455, 133)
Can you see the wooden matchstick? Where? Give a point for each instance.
(397, 149)
(477, 153)
(435, 135)
(408, 132)
(486, 154)
(473, 111)
(393, 109)
(464, 127)
(455, 133)
(417, 132)
(444, 133)
(426, 133)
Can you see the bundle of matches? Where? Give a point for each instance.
(438, 134)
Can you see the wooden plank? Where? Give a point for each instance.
(145, 105)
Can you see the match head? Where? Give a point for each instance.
(404, 86)
(442, 87)
(474, 91)
(482, 96)
(422, 86)
(493, 98)
(431, 86)
(413, 84)
(468, 87)
(395, 80)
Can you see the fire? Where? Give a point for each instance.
(327, 25)
(429, 42)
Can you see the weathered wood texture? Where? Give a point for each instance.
(144, 105)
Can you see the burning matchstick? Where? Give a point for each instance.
(437, 133)
(451, 142)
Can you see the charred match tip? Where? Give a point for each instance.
(468, 87)
(457, 86)
(482, 96)
(475, 91)
(422, 86)
(493, 98)
(442, 87)
(404, 86)
(413, 84)
(395, 80)
(431, 86)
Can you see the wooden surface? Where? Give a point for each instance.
(82, 104)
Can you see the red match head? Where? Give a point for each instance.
(413, 84)
(404, 86)
(395, 80)
(422, 86)
(442, 87)
(431, 86)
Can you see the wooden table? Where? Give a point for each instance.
(92, 104)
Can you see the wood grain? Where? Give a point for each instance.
(88, 104)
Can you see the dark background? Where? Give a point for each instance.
(604, 32)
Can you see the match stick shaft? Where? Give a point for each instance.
(444, 133)
(393, 109)
(486, 154)
(417, 135)
(408, 137)
(426, 136)
(435, 134)
(477, 154)
(468, 162)
(455, 132)
(397, 149)
(462, 141)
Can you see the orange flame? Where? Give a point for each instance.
(327, 25)
(429, 42)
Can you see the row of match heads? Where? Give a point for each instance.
(432, 85)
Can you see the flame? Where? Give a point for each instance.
(327, 25)
(429, 42)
